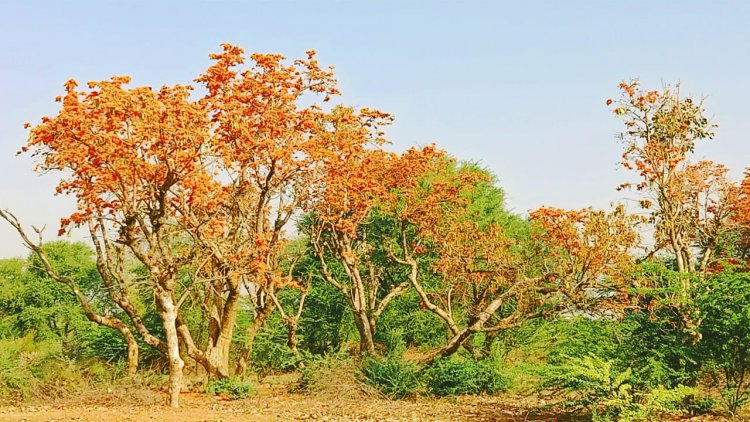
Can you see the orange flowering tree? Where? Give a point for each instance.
(689, 204)
(585, 249)
(448, 234)
(200, 192)
(340, 227)
(742, 217)
(128, 156)
(265, 155)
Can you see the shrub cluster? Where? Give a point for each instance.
(230, 387)
(397, 378)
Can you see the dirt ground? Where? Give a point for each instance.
(262, 407)
(275, 401)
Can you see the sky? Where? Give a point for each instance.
(518, 86)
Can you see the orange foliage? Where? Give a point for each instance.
(126, 151)
(741, 215)
(689, 204)
(586, 247)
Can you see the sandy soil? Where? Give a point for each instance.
(275, 402)
(269, 403)
(280, 408)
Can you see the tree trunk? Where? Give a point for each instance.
(455, 342)
(250, 333)
(132, 351)
(366, 342)
(218, 360)
(221, 330)
(292, 340)
(168, 314)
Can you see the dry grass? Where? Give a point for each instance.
(334, 394)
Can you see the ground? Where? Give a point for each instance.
(266, 405)
(275, 401)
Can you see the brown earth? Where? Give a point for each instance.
(276, 400)
(266, 405)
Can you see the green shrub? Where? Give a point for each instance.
(702, 405)
(654, 403)
(31, 369)
(725, 307)
(393, 377)
(326, 321)
(404, 325)
(448, 377)
(232, 387)
(607, 391)
(270, 352)
(22, 361)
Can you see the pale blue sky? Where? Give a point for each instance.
(518, 85)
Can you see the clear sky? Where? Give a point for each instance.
(520, 86)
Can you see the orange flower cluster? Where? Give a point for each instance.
(583, 246)
(228, 170)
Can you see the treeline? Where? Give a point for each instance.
(255, 227)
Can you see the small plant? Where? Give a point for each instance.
(230, 387)
(316, 368)
(648, 405)
(597, 384)
(393, 377)
(448, 377)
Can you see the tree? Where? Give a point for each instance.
(742, 217)
(726, 331)
(355, 178)
(129, 156)
(76, 284)
(32, 302)
(690, 205)
(199, 192)
(264, 156)
(585, 256)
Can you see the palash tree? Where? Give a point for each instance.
(488, 273)
(199, 187)
(127, 155)
(340, 213)
(742, 217)
(689, 204)
(264, 156)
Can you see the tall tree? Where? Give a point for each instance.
(341, 213)
(200, 192)
(486, 271)
(742, 217)
(264, 156)
(689, 204)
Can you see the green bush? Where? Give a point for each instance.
(270, 352)
(448, 377)
(726, 334)
(326, 322)
(654, 403)
(606, 390)
(22, 364)
(232, 387)
(316, 366)
(404, 324)
(31, 369)
(393, 377)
